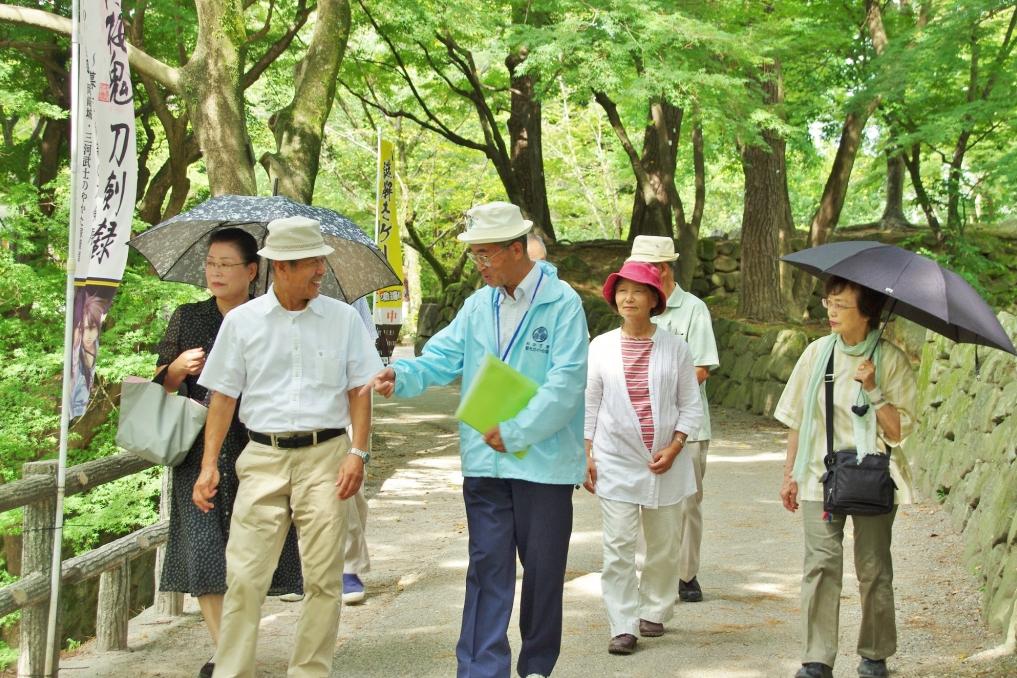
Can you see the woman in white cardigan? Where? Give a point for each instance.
(642, 400)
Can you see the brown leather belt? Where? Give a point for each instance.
(293, 441)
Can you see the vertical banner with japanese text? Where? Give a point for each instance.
(388, 301)
(105, 181)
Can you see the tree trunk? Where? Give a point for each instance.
(657, 205)
(170, 179)
(766, 213)
(299, 127)
(526, 148)
(52, 149)
(824, 221)
(211, 84)
(954, 219)
(914, 164)
(688, 232)
(893, 214)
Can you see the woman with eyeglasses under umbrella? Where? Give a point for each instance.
(195, 560)
(882, 389)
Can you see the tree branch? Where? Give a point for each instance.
(140, 61)
(416, 243)
(466, 94)
(463, 59)
(438, 126)
(619, 129)
(277, 48)
(258, 35)
(443, 131)
(1004, 53)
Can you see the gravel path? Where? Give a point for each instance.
(747, 627)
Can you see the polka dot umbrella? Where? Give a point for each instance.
(176, 248)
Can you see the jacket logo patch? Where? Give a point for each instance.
(540, 335)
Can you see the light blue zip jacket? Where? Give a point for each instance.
(551, 350)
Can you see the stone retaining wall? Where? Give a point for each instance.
(717, 274)
(965, 454)
(755, 364)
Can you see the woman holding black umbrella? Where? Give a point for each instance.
(873, 407)
(196, 551)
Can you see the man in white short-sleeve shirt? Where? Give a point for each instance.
(299, 360)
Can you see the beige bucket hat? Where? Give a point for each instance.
(652, 249)
(494, 222)
(292, 238)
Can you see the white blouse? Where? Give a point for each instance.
(611, 423)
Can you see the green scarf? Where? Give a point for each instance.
(864, 426)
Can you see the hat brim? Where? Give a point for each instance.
(652, 258)
(292, 255)
(503, 235)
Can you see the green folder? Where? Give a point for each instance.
(498, 393)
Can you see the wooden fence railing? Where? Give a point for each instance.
(36, 492)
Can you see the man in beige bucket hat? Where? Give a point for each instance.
(299, 359)
(687, 316)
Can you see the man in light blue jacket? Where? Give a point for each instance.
(515, 503)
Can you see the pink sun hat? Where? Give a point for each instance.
(640, 272)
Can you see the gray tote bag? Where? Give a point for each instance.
(155, 425)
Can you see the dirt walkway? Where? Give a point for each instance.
(748, 626)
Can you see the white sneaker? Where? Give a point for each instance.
(291, 597)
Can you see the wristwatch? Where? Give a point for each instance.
(363, 454)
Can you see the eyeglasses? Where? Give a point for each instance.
(221, 266)
(835, 305)
(484, 260)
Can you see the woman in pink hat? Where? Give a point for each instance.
(642, 400)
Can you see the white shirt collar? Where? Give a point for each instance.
(272, 303)
(525, 288)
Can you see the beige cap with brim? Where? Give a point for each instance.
(494, 222)
(292, 238)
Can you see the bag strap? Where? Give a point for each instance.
(828, 379)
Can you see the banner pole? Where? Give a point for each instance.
(52, 649)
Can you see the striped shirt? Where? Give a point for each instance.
(636, 360)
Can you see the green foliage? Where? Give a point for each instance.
(8, 655)
(116, 508)
(32, 287)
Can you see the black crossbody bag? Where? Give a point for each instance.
(851, 488)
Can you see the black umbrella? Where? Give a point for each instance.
(922, 291)
(177, 247)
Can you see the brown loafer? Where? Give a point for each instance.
(622, 644)
(649, 629)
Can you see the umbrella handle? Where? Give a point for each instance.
(857, 408)
(882, 329)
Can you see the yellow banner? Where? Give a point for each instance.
(388, 302)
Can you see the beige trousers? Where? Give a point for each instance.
(822, 579)
(277, 486)
(690, 533)
(358, 561)
(627, 596)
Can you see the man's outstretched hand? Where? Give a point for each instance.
(382, 383)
